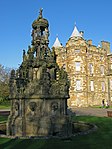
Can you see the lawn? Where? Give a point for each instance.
(3, 118)
(100, 139)
(4, 106)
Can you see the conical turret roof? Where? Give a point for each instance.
(76, 33)
(57, 43)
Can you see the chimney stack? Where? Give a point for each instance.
(106, 46)
(89, 42)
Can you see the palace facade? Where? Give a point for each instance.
(89, 69)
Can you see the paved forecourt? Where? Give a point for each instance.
(91, 111)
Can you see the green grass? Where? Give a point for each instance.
(3, 118)
(4, 106)
(102, 138)
(110, 107)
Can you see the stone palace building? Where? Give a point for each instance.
(89, 69)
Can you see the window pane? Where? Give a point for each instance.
(77, 51)
(102, 69)
(77, 65)
(91, 85)
(91, 68)
(103, 86)
(78, 84)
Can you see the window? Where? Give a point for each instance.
(77, 66)
(89, 56)
(101, 58)
(103, 86)
(78, 85)
(92, 85)
(77, 51)
(102, 70)
(91, 69)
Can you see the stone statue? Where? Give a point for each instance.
(40, 13)
(46, 33)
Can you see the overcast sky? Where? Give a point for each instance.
(94, 17)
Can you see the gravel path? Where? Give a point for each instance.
(91, 111)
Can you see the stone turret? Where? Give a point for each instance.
(39, 90)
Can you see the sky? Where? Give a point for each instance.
(94, 17)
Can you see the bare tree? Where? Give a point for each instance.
(4, 81)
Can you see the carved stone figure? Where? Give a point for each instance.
(40, 13)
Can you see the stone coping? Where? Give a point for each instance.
(94, 128)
